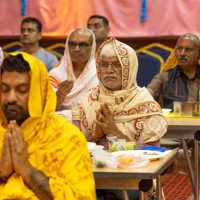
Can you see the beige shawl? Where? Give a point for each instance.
(131, 106)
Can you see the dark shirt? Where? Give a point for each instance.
(174, 85)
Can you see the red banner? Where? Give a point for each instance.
(163, 17)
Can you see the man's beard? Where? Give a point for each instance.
(19, 114)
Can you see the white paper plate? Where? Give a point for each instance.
(151, 155)
(139, 159)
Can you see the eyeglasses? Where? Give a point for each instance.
(107, 64)
(81, 45)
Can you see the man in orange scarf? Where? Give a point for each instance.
(43, 156)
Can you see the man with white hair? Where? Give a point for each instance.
(118, 106)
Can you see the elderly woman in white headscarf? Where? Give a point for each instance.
(118, 106)
(76, 73)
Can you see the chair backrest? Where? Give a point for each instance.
(158, 48)
(151, 60)
(11, 47)
(57, 49)
(149, 65)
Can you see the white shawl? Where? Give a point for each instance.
(64, 70)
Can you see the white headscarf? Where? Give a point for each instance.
(64, 71)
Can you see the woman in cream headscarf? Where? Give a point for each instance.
(75, 74)
(118, 106)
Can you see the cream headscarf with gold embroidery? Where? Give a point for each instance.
(131, 105)
(55, 146)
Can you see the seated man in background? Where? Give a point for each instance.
(31, 34)
(75, 74)
(181, 76)
(100, 27)
(179, 82)
(43, 156)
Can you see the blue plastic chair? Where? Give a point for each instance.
(149, 65)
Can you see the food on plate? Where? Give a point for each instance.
(125, 160)
(130, 159)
